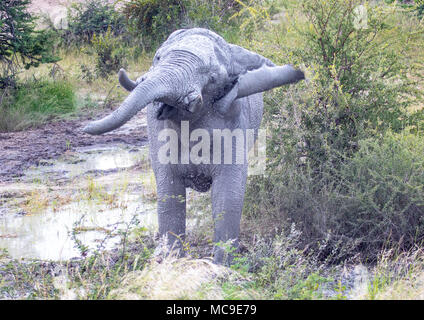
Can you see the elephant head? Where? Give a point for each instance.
(195, 69)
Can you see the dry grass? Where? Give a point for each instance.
(174, 279)
(397, 276)
(36, 202)
(148, 183)
(411, 288)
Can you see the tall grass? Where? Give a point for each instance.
(33, 102)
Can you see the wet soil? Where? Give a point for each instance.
(23, 149)
(55, 179)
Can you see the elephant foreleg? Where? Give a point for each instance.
(227, 204)
(171, 210)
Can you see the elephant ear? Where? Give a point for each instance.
(254, 73)
(243, 60)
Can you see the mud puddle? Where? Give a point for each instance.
(87, 196)
(34, 147)
(94, 160)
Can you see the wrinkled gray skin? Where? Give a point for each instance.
(196, 76)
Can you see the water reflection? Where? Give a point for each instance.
(47, 235)
(90, 159)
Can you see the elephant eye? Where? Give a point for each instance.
(213, 78)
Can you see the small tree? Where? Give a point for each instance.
(154, 20)
(362, 78)
(20, 44)
(420, 7)
(93, 17)
(110, 56)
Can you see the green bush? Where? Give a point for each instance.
(253, 15)
(361, 83)
(381, 195)
(110, 55)
(86, 19)
(146, 22)
(357, 90)
(374, 200)
(417, 5)
(214, 15)
(33, 102)
(155, 20)
(20, 44)
(420, 7)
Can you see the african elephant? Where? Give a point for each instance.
(199, 81)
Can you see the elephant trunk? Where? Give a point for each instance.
(152, 89)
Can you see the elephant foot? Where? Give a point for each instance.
(225, 253)
(167, 248)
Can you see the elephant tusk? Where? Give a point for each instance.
(223, 104)
(125, 81)
(193, 101)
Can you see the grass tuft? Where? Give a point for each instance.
(33, 102)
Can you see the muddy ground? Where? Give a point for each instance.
(55, 176)
(23, 149)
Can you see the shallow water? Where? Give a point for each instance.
(102, 188)
(48, 235)
(93, 159)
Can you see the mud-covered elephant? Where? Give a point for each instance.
(199, 83)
